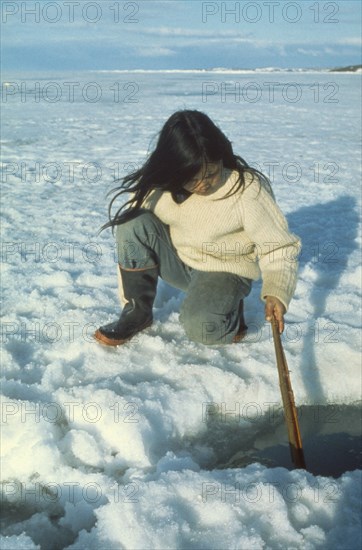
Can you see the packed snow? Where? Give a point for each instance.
(129, 448)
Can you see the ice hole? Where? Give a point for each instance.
(331, 437)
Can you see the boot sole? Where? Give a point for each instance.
(240, 336)
(105, 341)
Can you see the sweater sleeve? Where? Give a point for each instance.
(275, 247)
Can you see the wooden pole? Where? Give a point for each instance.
(290, 411)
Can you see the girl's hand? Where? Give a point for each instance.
(275, 308)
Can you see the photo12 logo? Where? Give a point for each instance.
(271, 12)
(69, 92)
(69, 12)
(238, 91)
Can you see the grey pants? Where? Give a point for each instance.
(209, 312)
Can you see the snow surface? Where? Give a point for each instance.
(122, 448)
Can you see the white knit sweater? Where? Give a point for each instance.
(245, 233)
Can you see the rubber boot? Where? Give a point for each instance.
(139, 289)
(243, 328)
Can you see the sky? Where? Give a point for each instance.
(179, 34)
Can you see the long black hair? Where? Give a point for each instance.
(188, 141)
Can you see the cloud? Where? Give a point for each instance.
(181, 37)
(154, 52)
(328, 49)
(313, 53)
(350, 41)
(191, 37)
(187, 32)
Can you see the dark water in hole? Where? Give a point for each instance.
(331, 437)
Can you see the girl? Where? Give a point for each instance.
(207, 223)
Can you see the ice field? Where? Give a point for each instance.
(129, 448)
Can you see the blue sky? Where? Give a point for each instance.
(179, 34)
